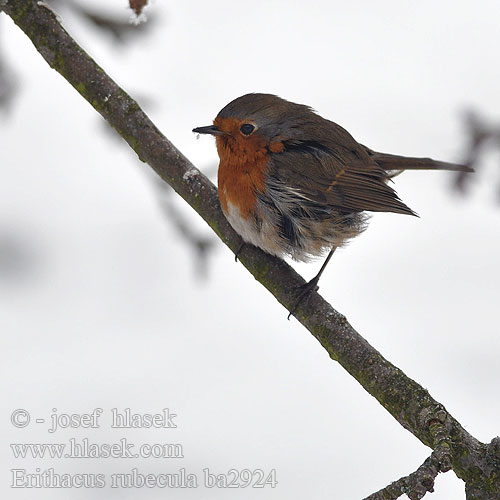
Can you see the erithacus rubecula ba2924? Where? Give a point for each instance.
(295, 184)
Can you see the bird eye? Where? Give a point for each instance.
(247, 128)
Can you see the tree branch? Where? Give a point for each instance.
(411, 405)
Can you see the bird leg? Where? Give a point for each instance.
(310, 286)
(240, 248)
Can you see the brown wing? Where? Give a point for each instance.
(343, 176)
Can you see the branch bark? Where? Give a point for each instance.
(418, 483)
(478, 464)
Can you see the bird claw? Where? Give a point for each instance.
(305, 290)
(240, 248)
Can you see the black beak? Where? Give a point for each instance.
(210, 129)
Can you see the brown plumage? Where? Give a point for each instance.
(294, 183)
(302, 180)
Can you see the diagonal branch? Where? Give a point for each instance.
(409, 403)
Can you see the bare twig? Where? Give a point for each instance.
(415, 486)
(411, 405)
(200, 244)
(481, 136)
(119, 26)
(7, 85)
(420, 482)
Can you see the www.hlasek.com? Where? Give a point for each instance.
(84, 448)
(233, 478)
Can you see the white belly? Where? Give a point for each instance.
(262, 235)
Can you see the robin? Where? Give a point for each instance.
(295, 184)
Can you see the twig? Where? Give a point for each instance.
(420, 482)
(7, 85)
(121, 27)
(481, 135)
(200, 244)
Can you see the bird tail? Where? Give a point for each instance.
(394, 162)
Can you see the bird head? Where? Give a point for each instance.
(257, 121)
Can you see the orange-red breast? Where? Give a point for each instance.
(293, 183)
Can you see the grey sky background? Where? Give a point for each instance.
(106, 309)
